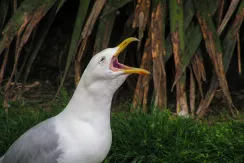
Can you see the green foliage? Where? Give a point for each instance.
(80, 19)
(26, 24)
(16, 123)
(22, 116)
(159, 137)
(139, 137)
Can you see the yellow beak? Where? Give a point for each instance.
(124, 44)
(127, 69)
(132, 70)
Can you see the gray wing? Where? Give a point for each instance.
(37, 145)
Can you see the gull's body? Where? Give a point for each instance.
(92, 129)
(81, 133)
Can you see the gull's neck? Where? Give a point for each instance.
(87, 107)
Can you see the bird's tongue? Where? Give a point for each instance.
(116, 66)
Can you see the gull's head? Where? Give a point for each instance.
(104, 74)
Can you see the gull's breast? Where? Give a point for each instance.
(83, 143)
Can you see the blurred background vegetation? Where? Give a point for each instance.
(192, 49)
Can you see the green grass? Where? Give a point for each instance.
(160, 137)
(17, 121)
(148, 138)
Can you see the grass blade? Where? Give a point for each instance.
(4, 6)
(188, 16)
(238, 52)
(96, 10)
(105, 27)
(213, 47)
(177, 37)
(193, 39)
(141, 18)
(39, 38)
(220, 11)
(192, 92)
(4, 64)
(158, 52)
(140, 93)
(198, 70)
(229, 41)
(80, 18)
(61, 4)
(230, 11)
(212, 6)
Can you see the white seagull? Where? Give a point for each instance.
(81, 133)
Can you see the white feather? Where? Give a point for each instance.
(84, 125)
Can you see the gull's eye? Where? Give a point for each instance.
(102, 59)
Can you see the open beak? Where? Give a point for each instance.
(116, 66)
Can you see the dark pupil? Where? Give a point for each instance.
(102, 58)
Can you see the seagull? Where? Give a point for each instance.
(81, 133)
